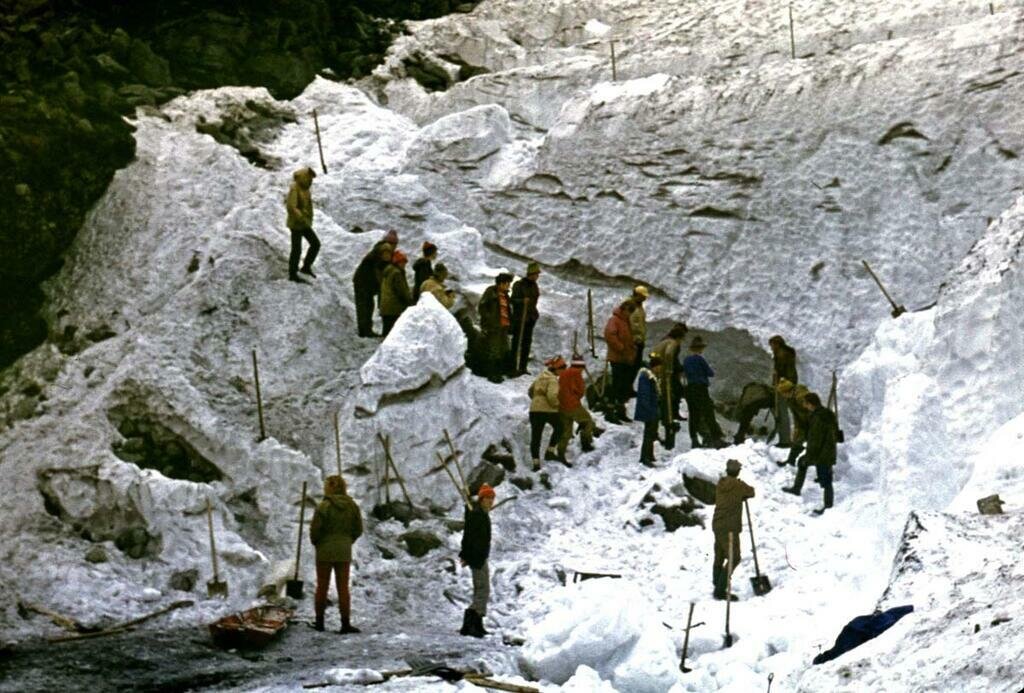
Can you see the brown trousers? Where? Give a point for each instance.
(720, 572)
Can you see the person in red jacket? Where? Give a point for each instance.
(571, 408)
(621, 356)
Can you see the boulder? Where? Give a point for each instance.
(420, 542)
(184, 580)
(484, 473)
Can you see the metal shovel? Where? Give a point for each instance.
(686, 642)
(293, 587)
(760, 583)
(215, 587)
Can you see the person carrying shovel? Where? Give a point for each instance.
(337, 523)
(726, 525)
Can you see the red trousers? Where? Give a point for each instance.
(323, 583)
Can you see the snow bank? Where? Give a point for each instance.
(606, 625)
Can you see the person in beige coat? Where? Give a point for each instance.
(435, 287)
(299, 205)
(544, 411)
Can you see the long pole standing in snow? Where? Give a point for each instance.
(792, 39)
(337, 442)
(319, 145)
(259, 397)
(522, 333)
(462, 492)
(615, 74)
(590, 322)
(455, 459)
(728, 594)
(386, 442)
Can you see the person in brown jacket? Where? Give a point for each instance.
(337, 523)
(394, 292)
(299, 204)
(621, 355)
(728, 519)
(783, 368)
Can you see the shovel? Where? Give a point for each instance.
(897, 310)
(728, 596)
(215, 587)
(686, 642)
(760, 583)
(293, 588)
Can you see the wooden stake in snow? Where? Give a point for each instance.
(728, 593)
(590, 323)
(259, 397)
(319, 145)
(792, 37)
(462, 492)
(389, 461)
(615, 74)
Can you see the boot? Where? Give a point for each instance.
(612, 417)
(564, 460)
(476, 626)
(721, 596)
(347, 627)
(536, 468)
(798, 482)
(318, 624)
(598, 431)
(309, 271)
(480, 625)
(587, 446)
(623, 417)
(297, 279)
(467, 620)
(551, 455)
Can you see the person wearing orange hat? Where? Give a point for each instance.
(475, 551)
(544, 411)
(394, 292)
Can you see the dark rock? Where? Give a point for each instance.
(701, 489)
(385, 552)
(420, 542)
(500, 456)
(100, 333)
(184, 580)
(523, 483)
(455, 525)
(484, 473)
(25, 408)
(676, 516)
(133, 542)
(398, 510)
(96, 554)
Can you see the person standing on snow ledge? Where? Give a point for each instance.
(476, 549)
(728, 519)
(525, 295)
(495, 320)
(299, 204)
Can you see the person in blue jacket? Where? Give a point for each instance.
(647, 400)
(702, 421)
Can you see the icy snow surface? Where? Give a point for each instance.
(742, 186)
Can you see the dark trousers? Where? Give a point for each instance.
(638, 362)
(538, 420)
(387, 322)
(703, 426)
(669, 409)
(720, 567)
(311, 253)
(747, 414)
(647, 446)
(622, 382)
(524, 355)
(824, 479)
(323, 583)
(364, 311)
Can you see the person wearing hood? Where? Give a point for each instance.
(621, 356)
(299, 205)
(434, 286)
(423, 269)
(475, 552)
(366, 281)
(647, 401)
(495, 314)
(337, 523)
(571, 409)
(394, 292)
(525, 295)
(544, 405)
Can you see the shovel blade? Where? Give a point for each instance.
(216, 588)
(728, 640)
(293, 588)
(898, 311)
(761, 585)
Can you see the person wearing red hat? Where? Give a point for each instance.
(571, 409)
(394, 292)
(423, 269)
(475, 551)
(544, 412)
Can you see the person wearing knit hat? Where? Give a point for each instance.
(366, 283)
(702, 419)
(730, 493)
(299, 205)
(475, 552)
(544, 412)
(648, 400)
(392, 238)
(423, 269)
(638, 327)
(394, 292)
(525, 296)
(495, 313)
(571, 409)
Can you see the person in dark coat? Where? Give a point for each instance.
(621, 356)
(730, 493)
(299, 205)
(476, 550)
(783, 368)
(647, 406)
(394, 292)
(495, 320)
(366, 281)
(337, 523)
(423, 269)
(821, 450)
(702, 410)
(525, 295)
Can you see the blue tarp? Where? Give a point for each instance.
(861, 629)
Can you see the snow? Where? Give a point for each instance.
(706, 173)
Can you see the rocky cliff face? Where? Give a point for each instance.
(71, 71)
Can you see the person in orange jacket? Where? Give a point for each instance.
(621, 356)
(570, 407)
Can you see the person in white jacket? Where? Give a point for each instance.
(544, 411)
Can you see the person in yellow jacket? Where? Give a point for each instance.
(436, 288)
(544, 411)
(299, 204)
